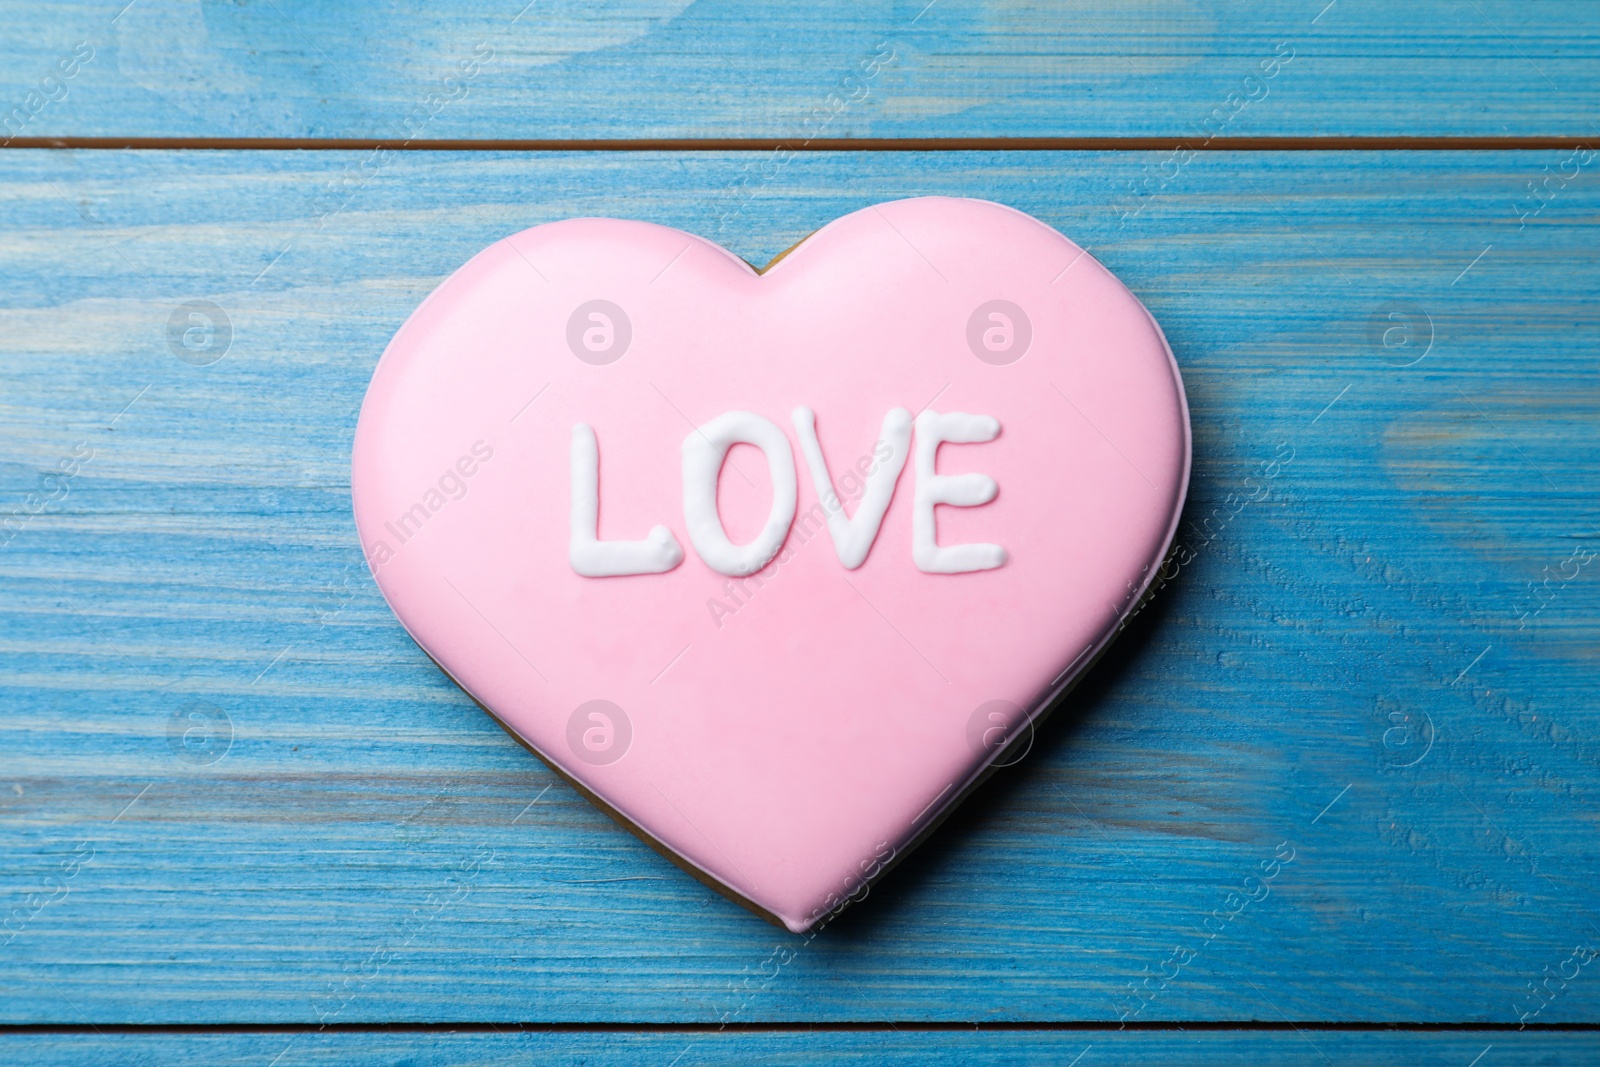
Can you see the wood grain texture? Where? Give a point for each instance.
(840, 68)
(1374, 656)
(985, 1049)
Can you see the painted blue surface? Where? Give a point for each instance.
(835, 68)
(1107, 1048)
(233, 792)
(1274, 692)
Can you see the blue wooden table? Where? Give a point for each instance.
(235, 799)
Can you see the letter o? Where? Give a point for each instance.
(703, 453)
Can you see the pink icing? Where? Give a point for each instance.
(788, 743)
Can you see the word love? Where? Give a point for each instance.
(703, 453)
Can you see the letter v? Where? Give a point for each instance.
(853, 537)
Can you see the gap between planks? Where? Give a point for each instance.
(831, 144)
(795, 1027)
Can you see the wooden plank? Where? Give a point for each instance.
(724, 68)
(1379, 654)
(1091, 1049)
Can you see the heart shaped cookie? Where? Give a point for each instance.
(773, 565)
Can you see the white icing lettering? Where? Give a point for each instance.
(957, 490)
(853, 537)
(591, 557)
(703, 453)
